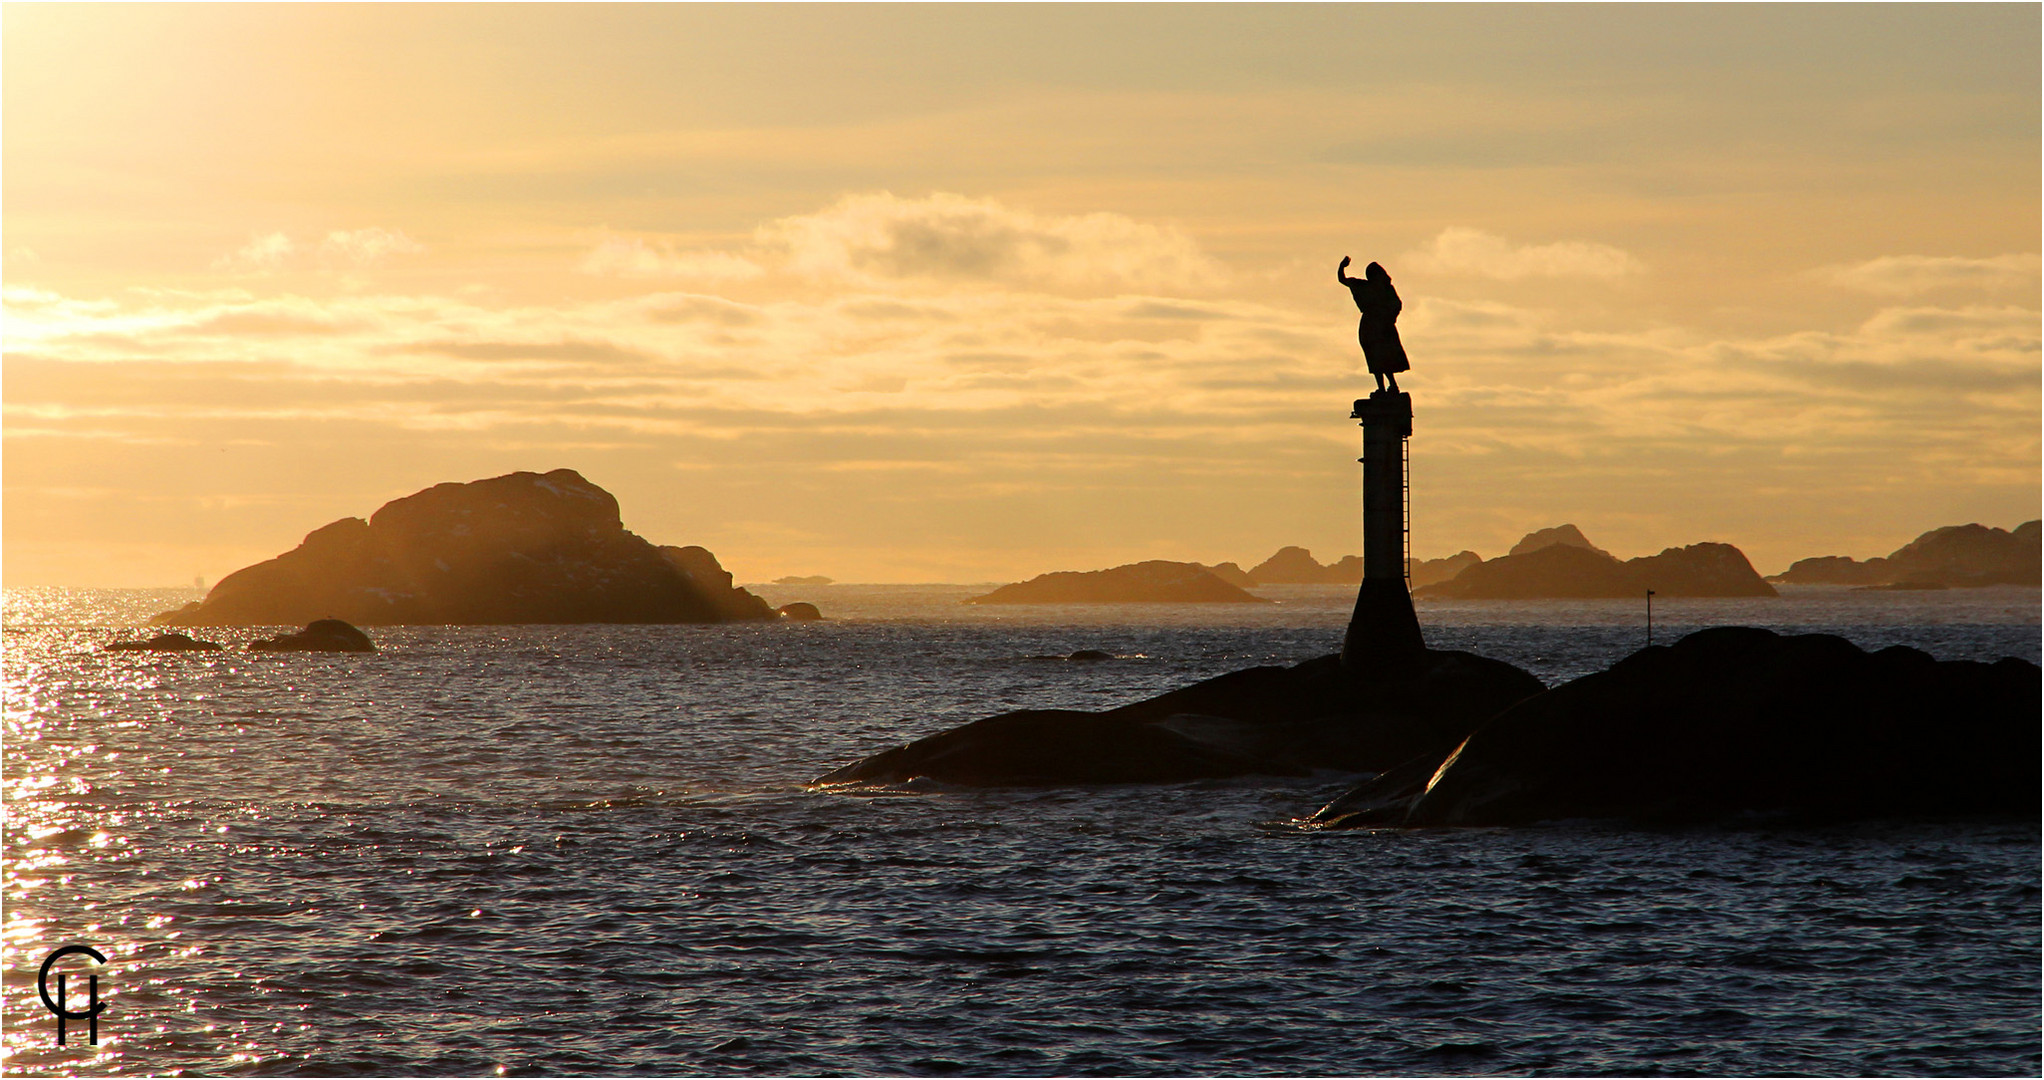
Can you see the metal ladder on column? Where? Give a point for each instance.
(1405, 509)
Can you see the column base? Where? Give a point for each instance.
(1384, 628)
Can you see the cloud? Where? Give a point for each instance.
(363, 247)
(1476, 253)
(686, 308)
(952, 238)
(262, 254)
(565, 350)
(880, 240)
(1903, 275)
(633, 257)
(258, 323)
(270, 252)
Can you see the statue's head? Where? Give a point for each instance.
(1375, 272)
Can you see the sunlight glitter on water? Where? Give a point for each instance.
(585, 849)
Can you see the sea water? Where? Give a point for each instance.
(590, 849)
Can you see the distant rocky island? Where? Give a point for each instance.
(1956, 556)
(1561, 563)
(1154, 582)
(814, 579)
(521, 548)
(1297, 566)
(1558, 562)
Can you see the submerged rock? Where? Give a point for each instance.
(1735, 720)
(319, 635)
(1153, 582)
(519, 548)
(167, 642)
(1265, 720)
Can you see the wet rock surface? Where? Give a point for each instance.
(1736, 720)
(1279, 721)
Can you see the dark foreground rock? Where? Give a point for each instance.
(1153, 582)
(1564, 570)
(1956, 556)
(1261, 721)
(1736, 720)
(167, 642)
(319, 635)
(520, 548)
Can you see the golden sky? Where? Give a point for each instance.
(935, 293)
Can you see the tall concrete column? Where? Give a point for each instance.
(1384, 629)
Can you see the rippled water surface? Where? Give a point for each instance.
(588, 849)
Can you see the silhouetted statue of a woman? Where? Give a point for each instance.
(1378, 330)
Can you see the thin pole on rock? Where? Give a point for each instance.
(1650, 618)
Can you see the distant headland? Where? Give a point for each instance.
(520, 548)
(1956, 556)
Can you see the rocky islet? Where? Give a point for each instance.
(520, 548)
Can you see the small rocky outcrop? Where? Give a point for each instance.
(1956, 556)
(1433, 570)
(1261, 721)
(1153, 582)
(520, 548)
(166, 642)
(1297, 566)
(1736, 720)
(319, 635)
(1564, 570)
(799, 612)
